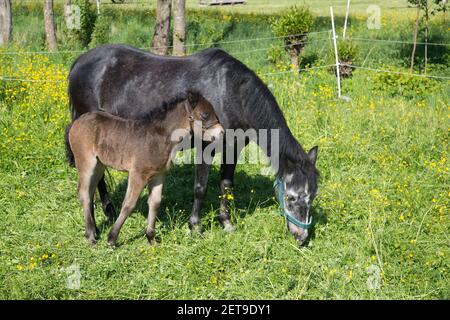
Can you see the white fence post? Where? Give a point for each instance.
(346, 19)
(338, 76)
(98, 7)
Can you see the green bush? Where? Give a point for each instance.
(347, 53)
(293, 25)
(201, 29)
(275, 55)
(87, 22)
(295, 21)
(101, 32)
(405, 85)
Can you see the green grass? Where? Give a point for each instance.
(383, 202)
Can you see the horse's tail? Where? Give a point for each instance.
(69, 154)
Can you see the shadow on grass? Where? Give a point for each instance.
(251, 191)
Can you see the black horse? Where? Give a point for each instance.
(129, 82)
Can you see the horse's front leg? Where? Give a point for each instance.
(226, 190)
(200, 187)
(227, 170)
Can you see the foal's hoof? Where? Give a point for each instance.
(112, 240)
(150, 235)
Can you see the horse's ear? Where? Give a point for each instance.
(192, 99)
(312, 154)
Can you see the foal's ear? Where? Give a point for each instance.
(193, 99)
(312, 154)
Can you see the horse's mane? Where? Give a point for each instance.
(254, 92)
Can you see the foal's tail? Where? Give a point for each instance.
(69, 154)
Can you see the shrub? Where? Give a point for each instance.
(275, 55)
(87, 22)
(347, 55)
(202, 29)
(293, 25)
(101, 32)
(406, 85)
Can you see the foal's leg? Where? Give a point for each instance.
(155, 187)
(136, 182)
(107, 205)
(90, 172)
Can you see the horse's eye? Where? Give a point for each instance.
(204, 115)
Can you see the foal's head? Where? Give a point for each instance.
(202, 115)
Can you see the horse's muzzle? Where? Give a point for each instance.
(301, 235)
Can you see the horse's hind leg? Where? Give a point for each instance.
(107, 205)
(90, 172)
(155, 187)
(136, 182)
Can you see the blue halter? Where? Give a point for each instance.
(280, 196)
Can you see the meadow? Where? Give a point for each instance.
(382, 214)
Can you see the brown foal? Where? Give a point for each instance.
(144, 148)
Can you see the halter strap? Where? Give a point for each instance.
(278, 183)
(191, 119)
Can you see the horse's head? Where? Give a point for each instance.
(300, 188)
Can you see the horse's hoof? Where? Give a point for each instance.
(228, 227)
(112, 245)
(92, 242)
(196, 229)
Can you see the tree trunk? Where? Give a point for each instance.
(179, 28)
(5, 22)
(294, 46)
(294, 59)
(160, 43)
(416, 30)
(50, 32)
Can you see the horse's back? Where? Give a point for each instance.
(135, 84)
(113, 77)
